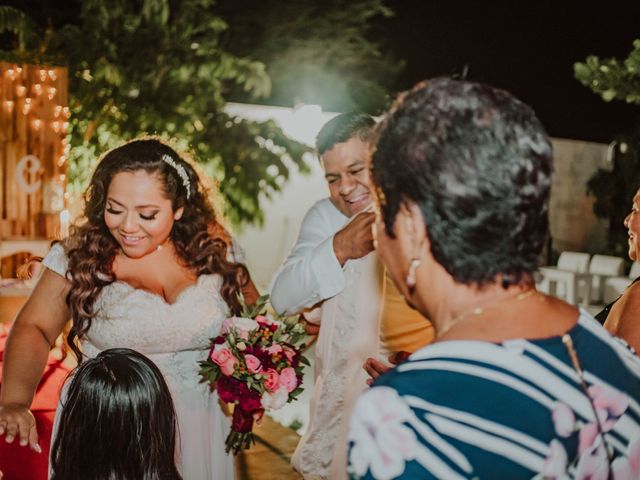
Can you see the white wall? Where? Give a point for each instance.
(572, 222)
(266, 247)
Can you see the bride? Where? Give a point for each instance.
(149, 268)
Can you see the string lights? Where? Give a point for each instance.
(35, 117)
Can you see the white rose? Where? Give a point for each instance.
(275, 400)
(244, 324)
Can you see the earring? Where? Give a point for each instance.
(411, 275)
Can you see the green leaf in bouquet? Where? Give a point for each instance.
(289, 321)
(277, 336)
(294, 394)
(209, 375)
(297, 338)
(258, 308)
(304, 361)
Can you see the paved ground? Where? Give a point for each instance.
(269, 458)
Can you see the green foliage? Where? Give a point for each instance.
(258, 308)
(21, 25)
(158, 67)
(614, 189)
(316, 52)
(612, 78)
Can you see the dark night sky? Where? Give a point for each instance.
(528, 48)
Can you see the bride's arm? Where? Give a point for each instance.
(35, 330)
(250, 293)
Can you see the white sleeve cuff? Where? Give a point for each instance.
(327, 270)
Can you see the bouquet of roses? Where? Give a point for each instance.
(256, 364)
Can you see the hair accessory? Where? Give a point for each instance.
(411, 275)
(182, 173)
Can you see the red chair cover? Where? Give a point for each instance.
(21, 463)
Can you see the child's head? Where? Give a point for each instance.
(117, 422)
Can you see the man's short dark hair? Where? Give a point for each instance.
(342, 128)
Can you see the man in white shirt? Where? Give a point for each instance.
(333, 268)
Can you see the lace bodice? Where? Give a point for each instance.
(175, 336)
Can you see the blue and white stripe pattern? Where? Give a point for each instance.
(470, 409)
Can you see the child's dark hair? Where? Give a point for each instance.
(117, 422)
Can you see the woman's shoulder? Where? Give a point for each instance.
(57, 260)
(235, 252)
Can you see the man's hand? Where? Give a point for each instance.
(311, 329)
(355, 240)
(375, 368)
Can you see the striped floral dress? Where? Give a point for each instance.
(517, 409)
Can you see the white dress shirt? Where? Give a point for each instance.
(350, 323)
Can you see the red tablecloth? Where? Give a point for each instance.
(20, 463)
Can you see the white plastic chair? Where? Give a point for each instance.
(614, 286)
(568, 278)
(601, 267)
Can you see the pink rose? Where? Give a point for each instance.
(225, 360)
(272, 381)
(273, 349)
(226, 325)
(253, 364)
(290, 354)
(288, 379)
(262, 319)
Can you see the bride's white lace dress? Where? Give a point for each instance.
(175, 336)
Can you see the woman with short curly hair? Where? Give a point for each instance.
(517, 384)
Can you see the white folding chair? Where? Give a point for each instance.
(569, 279)
(601, 267)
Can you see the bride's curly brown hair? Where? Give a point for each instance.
(200, 241)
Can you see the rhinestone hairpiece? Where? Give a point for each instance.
(182, 173)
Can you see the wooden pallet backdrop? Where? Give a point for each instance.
(34, 116)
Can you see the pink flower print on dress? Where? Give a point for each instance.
(564, 421)
(555, 465)
(609, 403)
(588, 433)
(382, 443)
(593, 463)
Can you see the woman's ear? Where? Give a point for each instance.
(177, 215)
(413, 223)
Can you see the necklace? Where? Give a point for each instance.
(479, 310)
